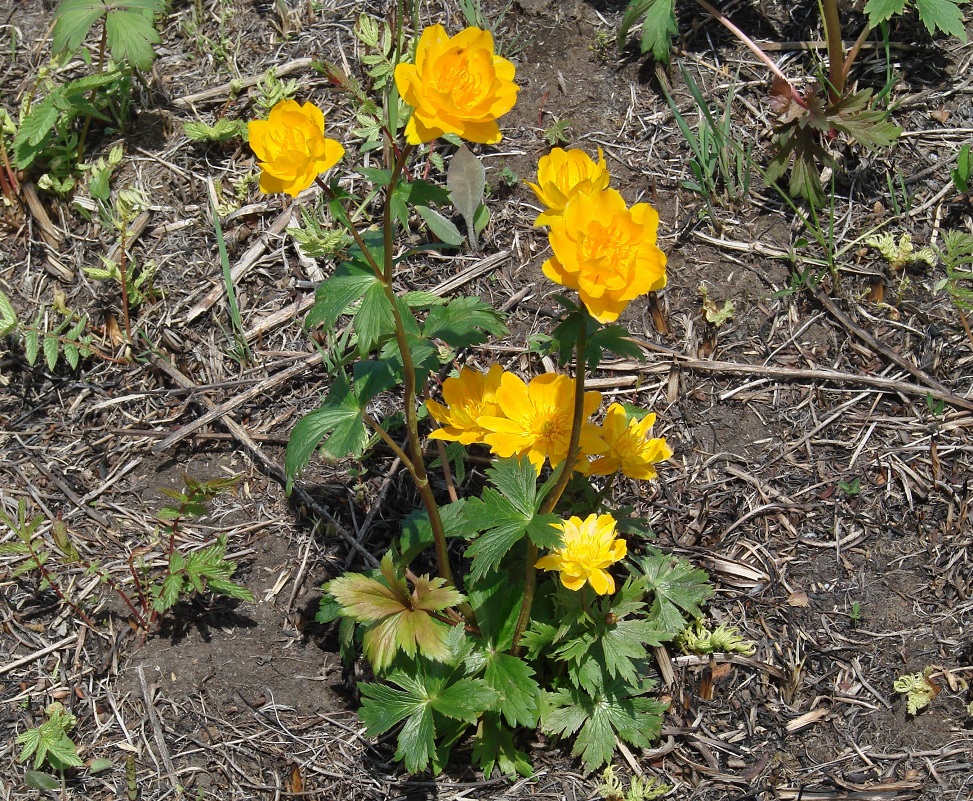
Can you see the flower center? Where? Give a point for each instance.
(603, 242)
(459, 80)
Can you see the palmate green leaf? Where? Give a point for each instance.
(348, 284)
(518, 693)
(397, 620)
(596, 720)
(658, 27)
(49, 741)
(417, 741)
(340, 416)
(383, 707)
(677, 586)
(496, 599)
(73, 20)
(880, 11)
(464, 322)
(466, 699)
(943, 15)
(131, 35)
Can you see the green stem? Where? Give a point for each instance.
(836, 56)
(366, 253)
(377, 428)
(550, 502)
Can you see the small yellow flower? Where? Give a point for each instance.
(590, 547)
(468, 397)
(606, 251)
(629, 447)
(457, 85)
(536, 420)
(561, 173)
(292, 148)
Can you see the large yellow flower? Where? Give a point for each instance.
(536, 419)
(292, 148)
(457, 85)
(561, 173)
(629, 447)
(469, 397)
(589, 548)
(606, 251)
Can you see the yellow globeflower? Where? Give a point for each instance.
(606, 251)
(590, 547)
(629, 447)
(468, 397)
(292, 148)
(536, 419)
(457, 85)
(561, 173)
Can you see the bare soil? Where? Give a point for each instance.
(830, 509)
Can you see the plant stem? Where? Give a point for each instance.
(377, 428)
(567, 468)
(853, 53)
(754, 48)
(836, 57)
(409, 377)
(366, 253)
(121, 270)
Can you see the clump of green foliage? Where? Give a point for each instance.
(148, 594)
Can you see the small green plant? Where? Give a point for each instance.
(957, 258)
(65, 338)
(128, 29)
(318, 241)
(851, 488)
(918, 688)
(902, 253)
(223, 130)
(715, 314)
(557, 133)
(49, 743)
(723, 639)
(271, 90)
(856, 614)
(720, 163)
(147, 596)
(963, 170)
(641, 788)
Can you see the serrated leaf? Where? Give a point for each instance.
(383, 707)
(493, 747)
(374, 319)
(442, 229)
(676, 585)
(71, 354)
(618, 710)
(417, 741)
(518, 692)
(464, 322)
(466, 180)
(50, 351)
(880, 11)
(943, 15)
(73, 20)
(8, 317)
(417, 533)
(466, 699)
(131, 35)
(340, 417)
(348, 284)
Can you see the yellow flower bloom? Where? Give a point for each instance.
(589, 548)
(536, 419)
(561, 173)
(292, 148)
(629, 447)
(457, 85)
(468, 397)
(606, 251)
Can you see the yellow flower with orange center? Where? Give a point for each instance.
(468, 397)
(535, 420)
(629, 447)
(457, 85)
(606, 251)
(292, 148)
(590, 547)
(561, 173)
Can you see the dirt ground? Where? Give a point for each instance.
(814, 477)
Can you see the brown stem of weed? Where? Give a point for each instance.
(52, 583)
(551, 501)
(754, 48)
(836, 56)
(123, 273)
(853, 53)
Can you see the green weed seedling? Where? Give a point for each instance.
(46, 547)
(49, 744)
(956, 256)
(641, 788)
(66, 338)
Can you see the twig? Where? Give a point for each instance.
(38, 654)
(239, 85)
